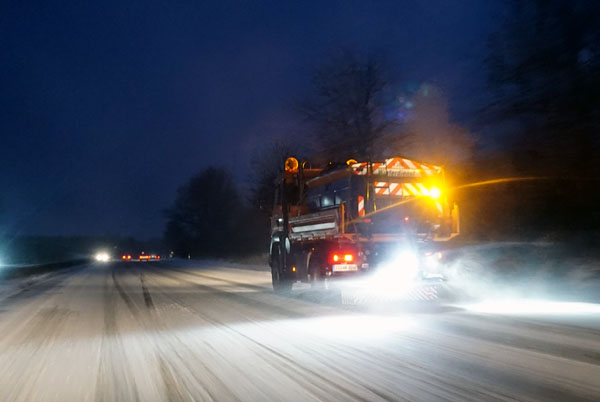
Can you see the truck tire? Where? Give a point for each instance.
(281, 284)
(315, 274)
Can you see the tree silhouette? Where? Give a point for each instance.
(205, 217)
(544, 68)
(347, 109)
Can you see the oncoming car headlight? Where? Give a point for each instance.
(102, 257)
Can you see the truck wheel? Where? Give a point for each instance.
(281, 284)
(315, 276)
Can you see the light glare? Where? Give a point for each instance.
(542, 307)
(397, 275)
(435, 193)
(102, 257)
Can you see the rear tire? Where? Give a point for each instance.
(281, 284)
(315, 274)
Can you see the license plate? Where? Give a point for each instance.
(344, 267)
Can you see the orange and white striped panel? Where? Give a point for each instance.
(400, 189)
(397, 163)
(386, 188)
(361, 205)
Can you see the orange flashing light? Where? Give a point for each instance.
(291, 164)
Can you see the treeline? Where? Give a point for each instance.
(210, 218)
(544, 78)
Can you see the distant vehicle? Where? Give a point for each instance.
(126, 257)
(349, 220)
(102, 256)
(147, 257)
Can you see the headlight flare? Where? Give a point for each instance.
(102, 257)
(533, 307)
(392, 279)
(401, 269)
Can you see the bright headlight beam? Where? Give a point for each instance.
(102, 256)
(397, 275)
(534, 307)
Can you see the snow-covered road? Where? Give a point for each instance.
(158, 332)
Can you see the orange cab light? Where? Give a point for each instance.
(348, 257)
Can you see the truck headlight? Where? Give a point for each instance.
(432, 261)
(402, 268)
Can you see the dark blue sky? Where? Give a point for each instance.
(108, 107)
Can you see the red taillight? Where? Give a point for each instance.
(124, 257)
(158, 257)
(129, 257)
(346, 257)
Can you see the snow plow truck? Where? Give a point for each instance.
(360, 220)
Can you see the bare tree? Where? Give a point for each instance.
(204, 218)
(346, 111)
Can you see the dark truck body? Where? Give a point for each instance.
(359, 212)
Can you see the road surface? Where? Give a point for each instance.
(162, 332)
